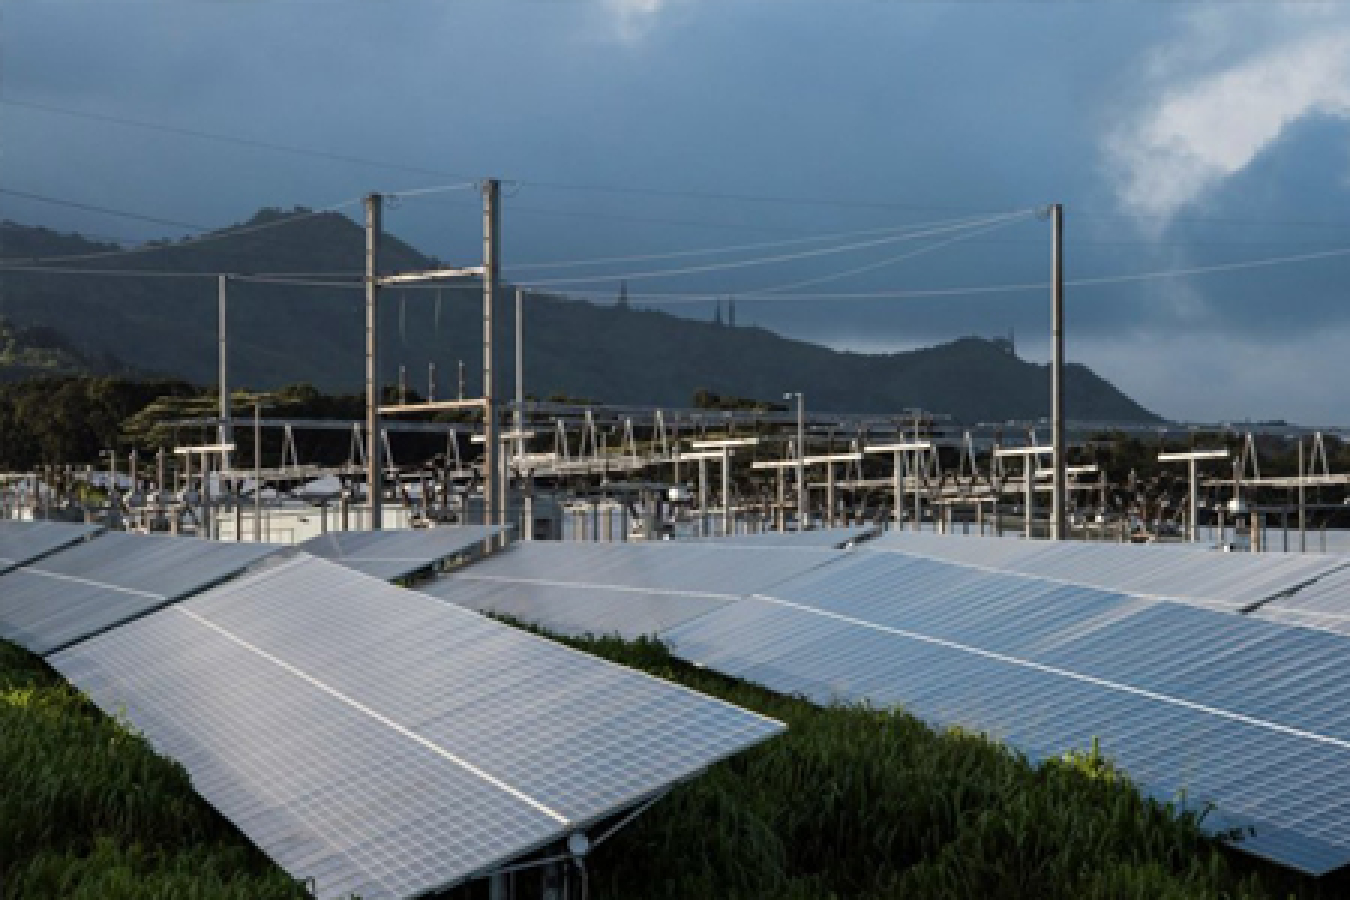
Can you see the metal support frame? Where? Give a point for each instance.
(1191, 458)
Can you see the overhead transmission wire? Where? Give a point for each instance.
(611, 189)
(735, 248)
(195, 241)
(881, 264)
(15, 262)
(103, 210)
(1092, 281)
(767, 260)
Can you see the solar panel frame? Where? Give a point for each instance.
(577, 610)
(23, 541)
(397, 553)
(443, 678)
(825, 538)
(84, 590)
(1187, 574)
(665, 566)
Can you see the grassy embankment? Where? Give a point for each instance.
(850, 803)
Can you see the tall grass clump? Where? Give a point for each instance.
(856, 802)
(88, 810)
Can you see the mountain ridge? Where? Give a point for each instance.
(618, 354)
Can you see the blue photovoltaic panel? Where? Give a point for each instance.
(1245, 714)
(827, 538)
(22, 542)
(397, 554)
(630, 590)
(1323, 603)
(85, 589)
(1231, 581)
(381, 741)
(578, 611)
(676, 566)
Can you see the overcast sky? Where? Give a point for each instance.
(1177, 135)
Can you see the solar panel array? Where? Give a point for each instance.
(1233, 581)
(1045, 646)
(22, 541)
(386, 743)
(116, 577)
(630, 590)
(397, 554)
(1229, 709)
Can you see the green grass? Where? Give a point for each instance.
(88, 810)
(862, 803)
(851, 803)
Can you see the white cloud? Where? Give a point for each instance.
(1218, 97)
(632, 19)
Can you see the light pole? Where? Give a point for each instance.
(801, 457)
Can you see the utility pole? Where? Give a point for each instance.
(801, 458)
(520, 370)
(1057, 373)
(257, 473)
(491, 264)
(374, 469)
(225, 436)
(1302, 499)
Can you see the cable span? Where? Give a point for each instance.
(762, 260)
(185, 244)
(736, 248)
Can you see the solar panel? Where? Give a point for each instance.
(22, 542)
(1232, 581)
(828, 538)
(1245, 714)
(1321, 603)
(397, 554)
(657, 565)
(578, 611)
(91, 587)
(381, 741)
(630, 590)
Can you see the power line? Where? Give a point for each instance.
(104, 210)
(185, 244)
(889, 261)
(757, 261)
(736, 248)
(228, 139)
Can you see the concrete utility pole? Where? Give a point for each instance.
(225, 435)
(257, 473)
(801, 458)
(1302, 500)
(491, 266)
(374, 469)
(520, 370)
(1057, 372)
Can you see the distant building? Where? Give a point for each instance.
(717, 313)
(1007, 344)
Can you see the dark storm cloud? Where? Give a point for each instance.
(925, 111)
